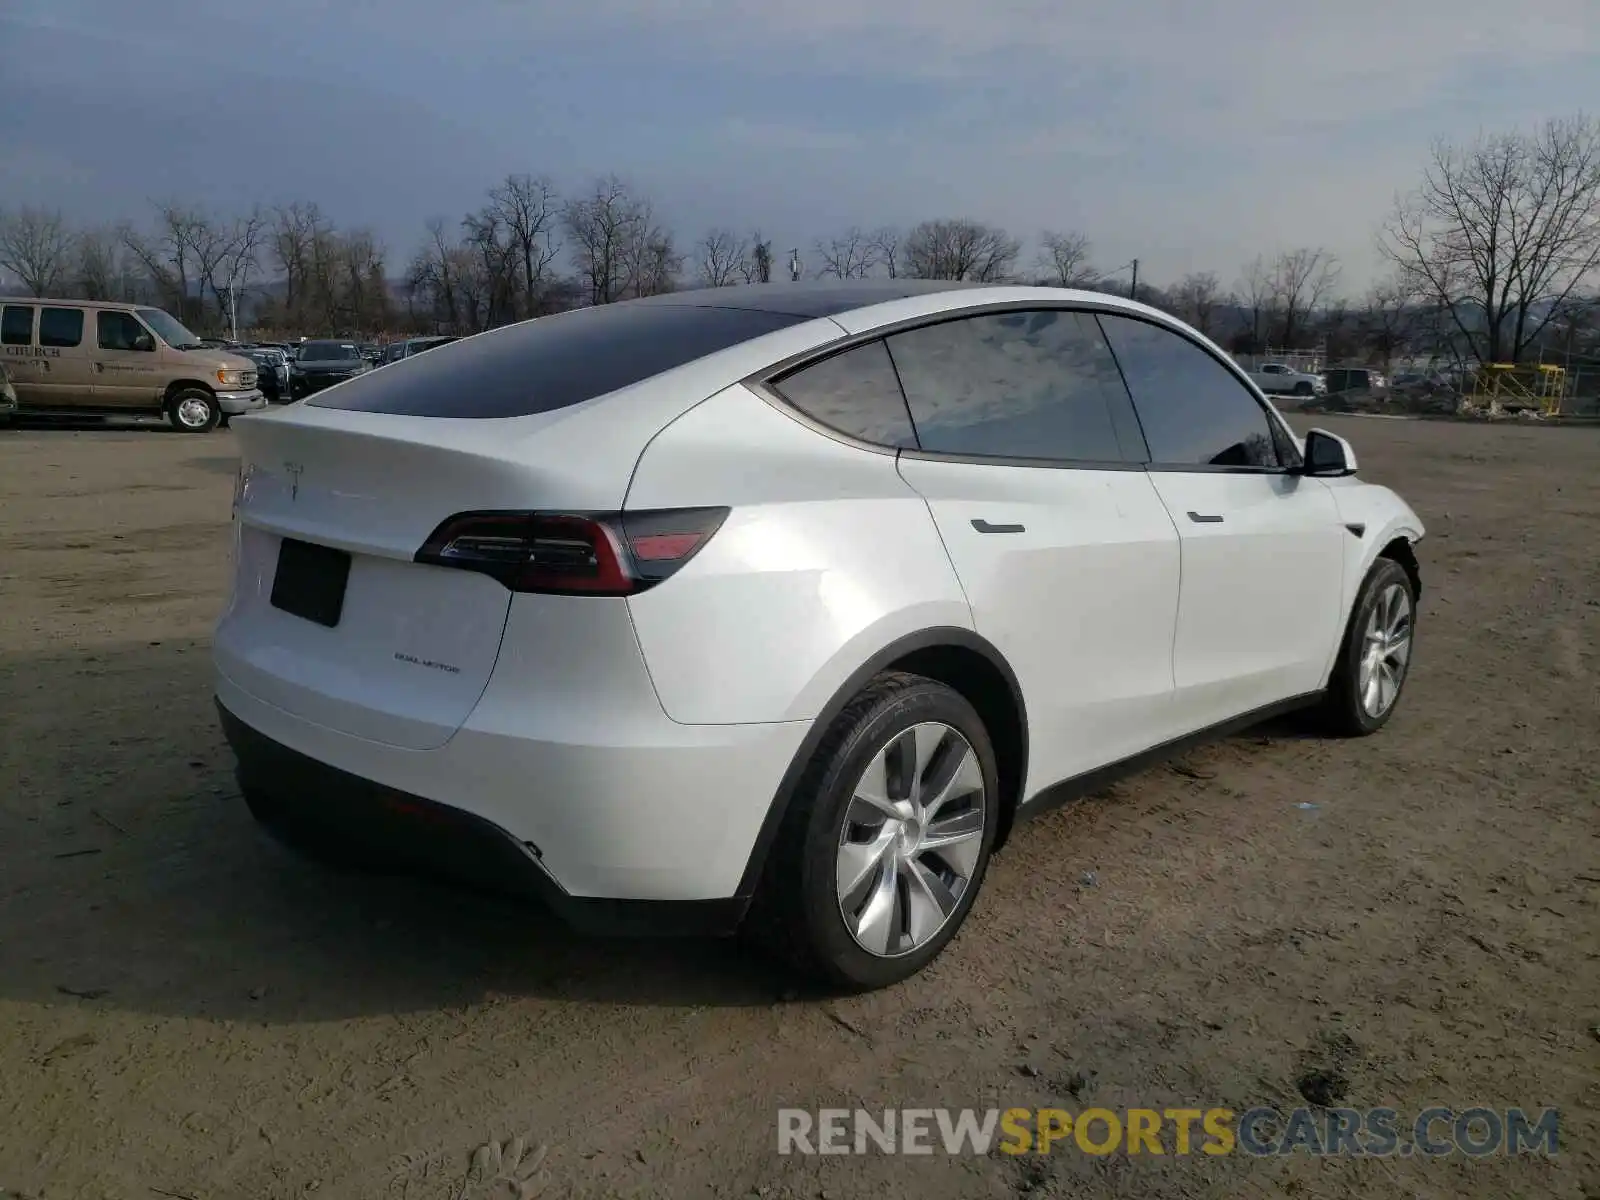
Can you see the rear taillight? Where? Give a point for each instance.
(595, 554)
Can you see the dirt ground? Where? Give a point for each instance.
(186, 1010)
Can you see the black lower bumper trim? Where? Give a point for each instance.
(399, 831)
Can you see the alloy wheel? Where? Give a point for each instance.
(911, 840)
(1386, 650)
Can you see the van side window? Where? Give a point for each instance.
(16, 325)
(119, 331)
(60, 326)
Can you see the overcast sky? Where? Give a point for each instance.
(1192, 134)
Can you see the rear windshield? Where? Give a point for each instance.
(327, 353)
(554, 362)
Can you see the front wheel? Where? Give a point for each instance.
(193, 411)
(1375, 658)
(886, 840)
(1302, 389)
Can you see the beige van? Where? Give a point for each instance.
(86, 357)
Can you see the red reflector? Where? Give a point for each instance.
(658, 547)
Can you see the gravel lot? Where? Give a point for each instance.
(186, 1010)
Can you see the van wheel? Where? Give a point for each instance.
(193, 411)
(885, 841)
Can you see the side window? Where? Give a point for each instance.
(119, 331)
(1194, 411)
(1039, 385)
(16, 325)
(60, 326)
(856, 393)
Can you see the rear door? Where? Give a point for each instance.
(1263, 547)
(66, 378)
(1030, 462)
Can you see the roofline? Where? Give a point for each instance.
(63, 302)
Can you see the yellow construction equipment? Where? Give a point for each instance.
(1501, 386)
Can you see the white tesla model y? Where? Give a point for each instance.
(778, 606)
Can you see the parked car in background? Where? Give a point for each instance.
(272, 371)
(323, 363)
(1280, 379)
(755, 607)
(415, 346)
(1353, 379)
(89, 357)
(370, 352)
(393, 352)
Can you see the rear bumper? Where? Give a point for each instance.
(412, 833)
(612, 799)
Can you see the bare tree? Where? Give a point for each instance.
(170, 256)
(758, 269)
(1299, 282)
(1255, 294)
(101, 267)
(1390, 319)
(1503, 232)
(1064, 259)
(529, 209)
(885, 243)
(851, 255)
(608, 229)
(959, 249)
(36, 246)
(721, 258)
(1195, 298)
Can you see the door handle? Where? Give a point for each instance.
(984, 527)
(1205, 518)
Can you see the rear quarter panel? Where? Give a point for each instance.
(827, 557)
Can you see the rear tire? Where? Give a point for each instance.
(193, 410)
(838, 854)
(1375, 657)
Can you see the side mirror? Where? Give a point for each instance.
(1328, 455)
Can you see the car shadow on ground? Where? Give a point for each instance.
(134, 878)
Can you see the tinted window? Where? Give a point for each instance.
(1193, 409)
(551, 363)
(1016, 385)
(119, 331)
(856, 393)
(60, 326)
(327, 352)
(16, 325)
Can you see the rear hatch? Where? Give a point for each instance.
(330, 617)
(333, 619)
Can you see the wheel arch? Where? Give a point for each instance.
(186, 385)
(956, 657)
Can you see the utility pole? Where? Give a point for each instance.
(794, 266)
(1133, 290)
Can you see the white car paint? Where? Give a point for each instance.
(638, 741)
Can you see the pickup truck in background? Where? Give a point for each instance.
(1280, 379)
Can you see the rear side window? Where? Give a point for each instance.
(60, 326)
(16, 325)
(1195, 412)
(1028, 385)
(856, 393)
(553, 362)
